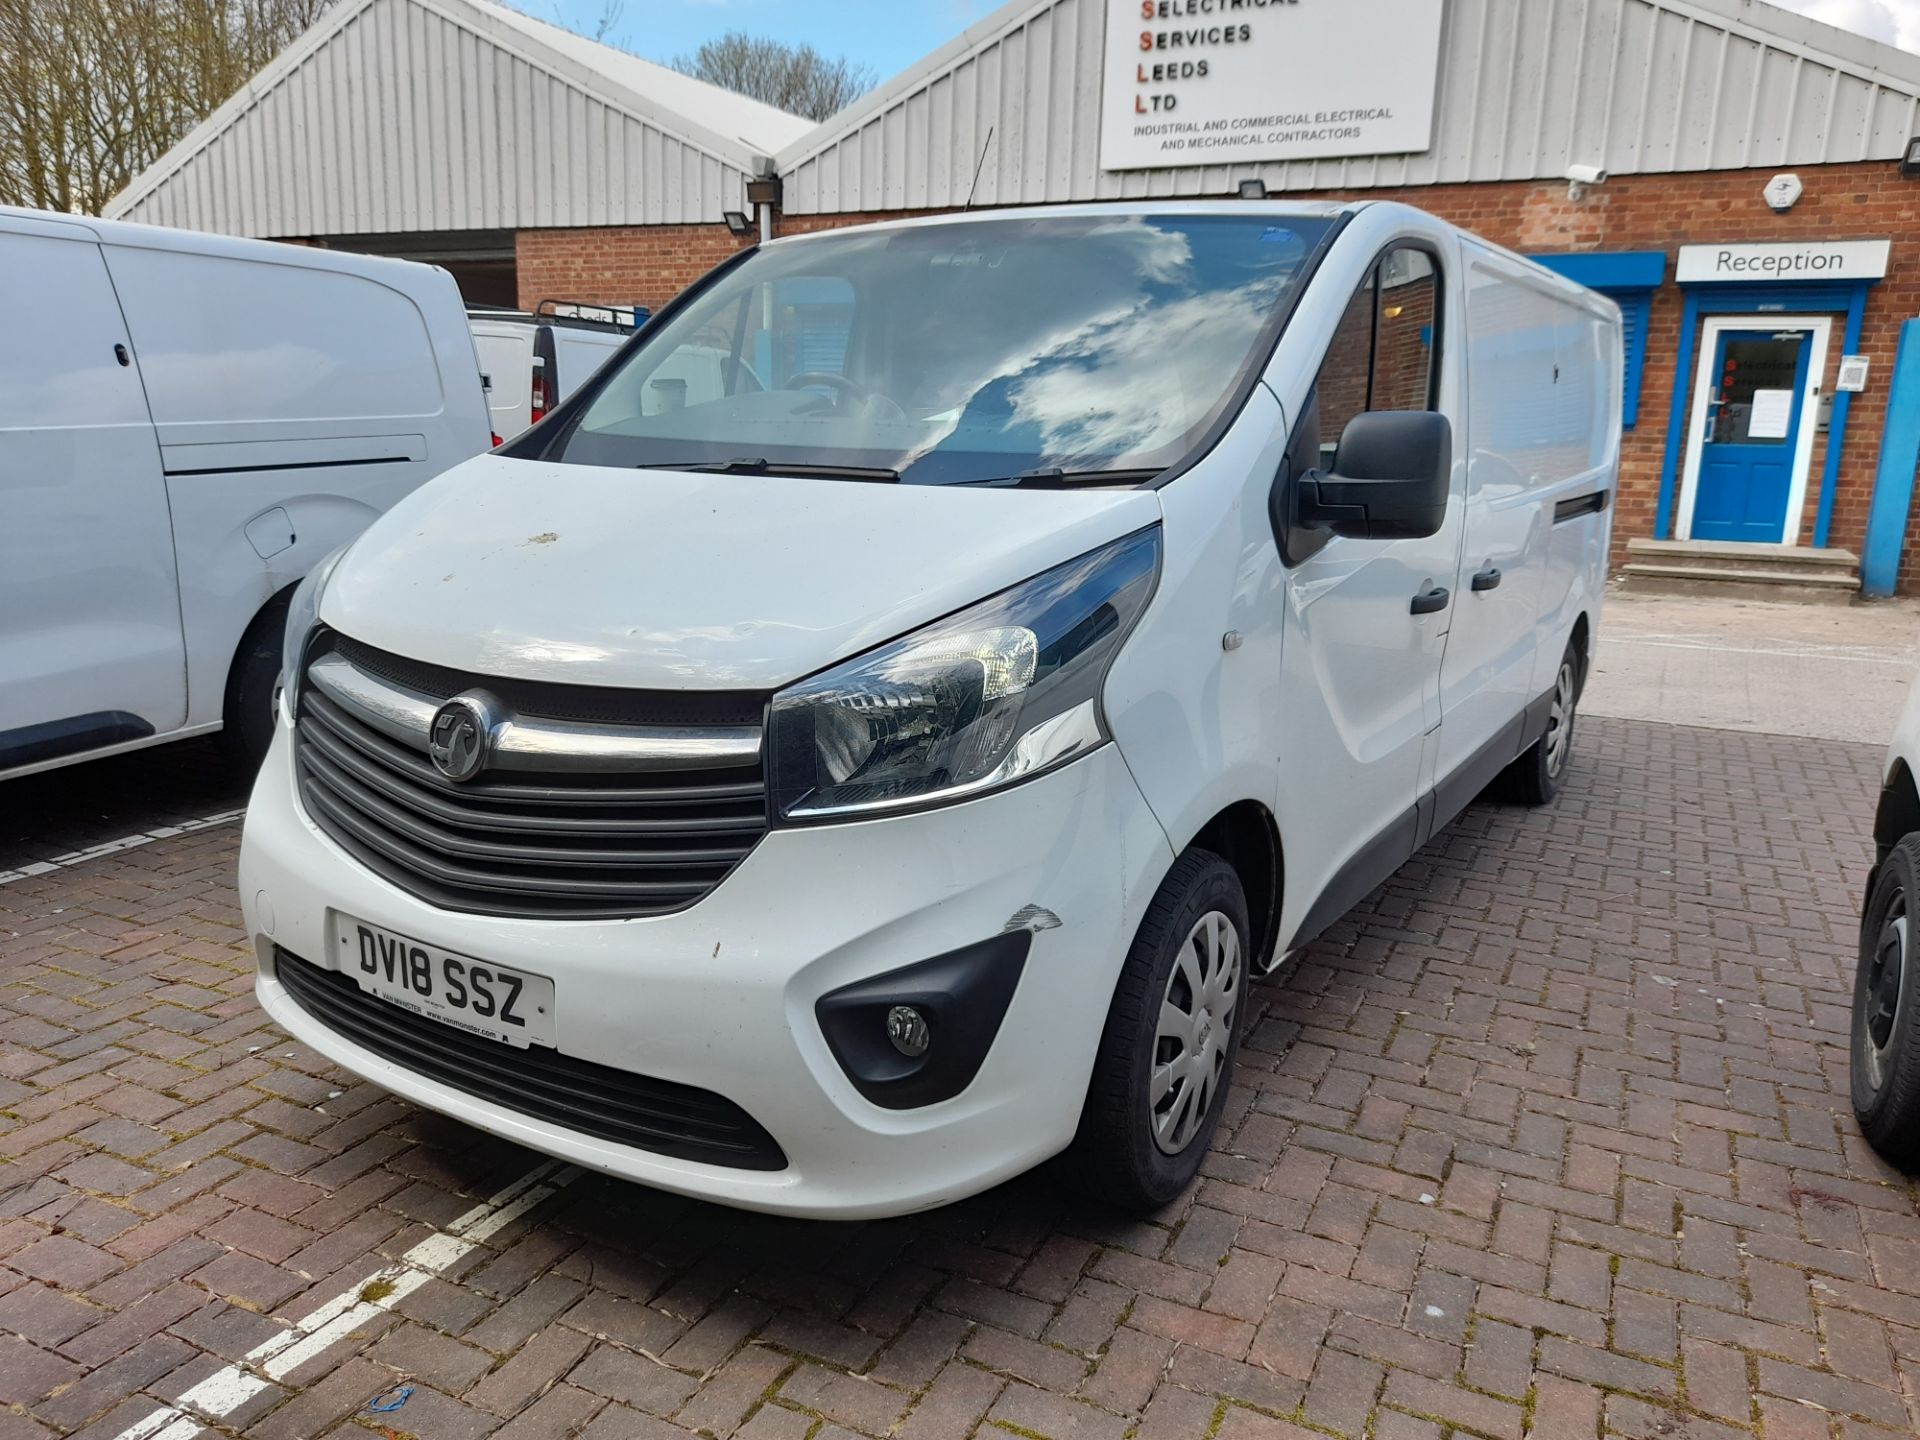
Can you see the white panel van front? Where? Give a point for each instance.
(867, 741)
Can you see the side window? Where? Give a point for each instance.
(1383, 355)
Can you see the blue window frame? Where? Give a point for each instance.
(1628, 278)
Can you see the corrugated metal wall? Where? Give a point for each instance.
(406, 121)
(1527, 87)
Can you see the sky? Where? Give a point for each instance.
(890, 35)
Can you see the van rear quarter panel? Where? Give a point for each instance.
(326, 386)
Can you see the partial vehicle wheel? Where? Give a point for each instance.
(1886, 1011)
(1173, 1031)
(1536, 777)
(249, 718)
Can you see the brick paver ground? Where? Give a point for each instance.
(1550, 1138)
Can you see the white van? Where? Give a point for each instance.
(533, 359)
(187, 423)
(840, 793)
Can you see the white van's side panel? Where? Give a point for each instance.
(505, 348)
(89, 614)
(1515, 452)
(293, 402)
(1354, 741)
(1574, 577)
(578, 352)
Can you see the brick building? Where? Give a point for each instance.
(1754, 222)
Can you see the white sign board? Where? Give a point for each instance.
(1233, 82)
(1809, 260)
(1772, 415)
(1853, 373)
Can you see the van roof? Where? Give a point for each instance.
(199, 242)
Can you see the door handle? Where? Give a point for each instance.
(1488, 579)
(1428, 601)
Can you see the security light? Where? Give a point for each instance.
(1253, 189)
(737, 222)
(1910, 162)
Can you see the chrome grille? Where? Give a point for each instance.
(640, 810)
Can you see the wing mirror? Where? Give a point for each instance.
(1390, 478)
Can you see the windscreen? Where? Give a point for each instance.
(961, 353)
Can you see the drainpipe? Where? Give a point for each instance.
(1893, 483)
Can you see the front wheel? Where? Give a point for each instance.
(1885, 1060)
(1173, 1031)
(1536, 777)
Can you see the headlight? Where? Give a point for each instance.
(1001, 691)
(303, 611)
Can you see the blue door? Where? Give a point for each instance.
(1753, 432)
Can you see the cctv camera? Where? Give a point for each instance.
(1579, 177)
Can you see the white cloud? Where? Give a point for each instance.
(1895, 21)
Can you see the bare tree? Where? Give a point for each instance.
(94, 91)
(794, 78)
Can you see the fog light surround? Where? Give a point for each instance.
(918, 1035)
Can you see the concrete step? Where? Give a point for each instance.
(1722, 555)
(1808, 584)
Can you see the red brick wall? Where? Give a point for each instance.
(1651, 212)
(634, 265)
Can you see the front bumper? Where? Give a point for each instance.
(721, 996)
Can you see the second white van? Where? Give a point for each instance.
(533, 359)
(843, 783)
(187, 423)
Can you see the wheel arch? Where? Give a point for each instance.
(1246, 835)
(1898, 813)
(274, 605)
(1582, 642)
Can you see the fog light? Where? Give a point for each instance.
(907, 1029)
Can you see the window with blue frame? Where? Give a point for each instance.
(1628, 278)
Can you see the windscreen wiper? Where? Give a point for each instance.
(1049, 476)
(754, 465)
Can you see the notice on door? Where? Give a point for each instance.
(1772, 415)
(1230, 82)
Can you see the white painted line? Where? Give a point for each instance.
(1864, 657)
(114, 847)
(230, 1387)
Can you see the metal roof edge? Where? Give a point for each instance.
(1861, 56)
(730, 152)
(837, 127)
(1873, 61)
(229, 112)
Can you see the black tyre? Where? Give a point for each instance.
(1885, 1060)
(248, 726)
(1173, 1032)
(1536, 777)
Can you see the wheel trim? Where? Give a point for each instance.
(1194, 1032)
(1886, 974)
(1559, 736)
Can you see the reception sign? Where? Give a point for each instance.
(1231, 82)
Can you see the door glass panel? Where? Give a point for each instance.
(1759, 379)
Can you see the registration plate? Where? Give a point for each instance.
(480, 996)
